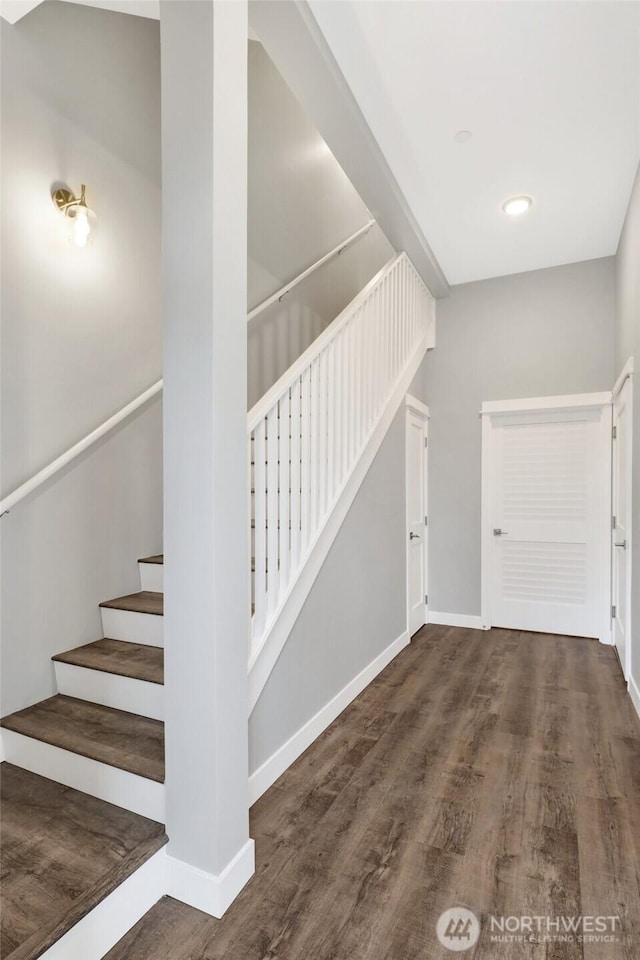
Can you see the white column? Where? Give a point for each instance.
(204, 146)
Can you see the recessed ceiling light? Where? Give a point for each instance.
(516, 205)
(463, 136)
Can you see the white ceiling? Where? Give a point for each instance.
(551, 94)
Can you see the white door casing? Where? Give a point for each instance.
(622, 454)
(417, 419)
(546, 503)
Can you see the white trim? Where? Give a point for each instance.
(420, 410)
(634, 693)
(560, 404)
(485, 525)
(457, 620)
(43, 475)
(133, 627)
(111, 690)
(97, 932)
(627, 371)
(263, 659)
(267, 774)
(98, 779)
(283, 291)
(211, 893)
(417, 406)
(151, 576)
(568, 402)
(627, 374)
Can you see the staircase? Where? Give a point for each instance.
(83, 788)
(89, 761)
(312, 438)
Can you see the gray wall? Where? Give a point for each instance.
(542, 333)
(356, 608)
(301, 203)
(81, 328)
(628, 345)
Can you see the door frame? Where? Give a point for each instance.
(420, 409)
(627, 374)
(490, 411)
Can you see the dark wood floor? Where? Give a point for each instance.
(497, 770)
(62, 853)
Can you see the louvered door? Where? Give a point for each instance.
(548, 509)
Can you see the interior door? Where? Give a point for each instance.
(416, 519)
(621, 543)
(549, 505)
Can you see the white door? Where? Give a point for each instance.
(550, 497)
(621, 560)
(416, 481)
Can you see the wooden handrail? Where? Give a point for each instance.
(283, 291)
(60, 462)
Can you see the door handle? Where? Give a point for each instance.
(623, 544)
(414, 536)
(498, 532)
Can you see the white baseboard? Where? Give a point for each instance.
(111, 690)
(457, 620)
(102, 927)
(634, 693)
(275, 766)
(124, 789)
(211, 893)
(133, 627)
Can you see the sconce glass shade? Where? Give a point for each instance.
(76, 211)
(81, 227)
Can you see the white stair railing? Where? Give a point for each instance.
(308, 432)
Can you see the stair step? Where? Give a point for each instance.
(125, 676)
(63, 853)
(152, 573)
(136, 618)
(113, 737)
(145, 601)
(135, 660)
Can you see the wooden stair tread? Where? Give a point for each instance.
(135, 660)
(157, 559)
(119, 739)
(63, 852)
(146, 601)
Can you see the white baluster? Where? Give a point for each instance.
(272, 509)
(284, 489)
(313, 459)
(323, 386)
(305, 515)
(295, 476)
(260, 528)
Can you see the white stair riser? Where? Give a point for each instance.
(100, 929)
(152, 577)
(124, 789)
(109, 689)
(146, 628)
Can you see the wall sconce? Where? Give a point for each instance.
(75, 209)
